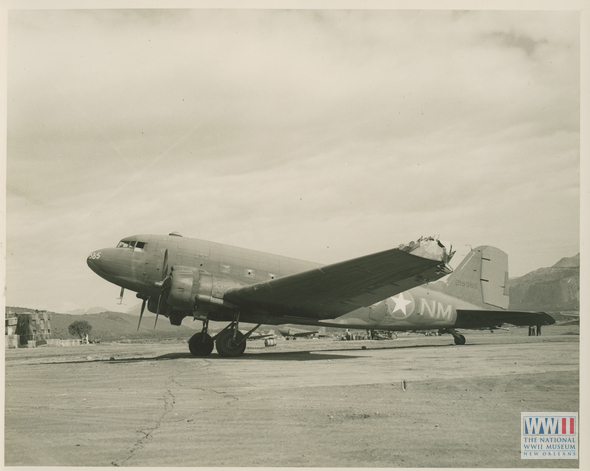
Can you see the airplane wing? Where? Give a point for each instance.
(333, 290)
(467, 319)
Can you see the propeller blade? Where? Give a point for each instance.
(158, 310)
(165, 265)
(164, 286)
(141, 313)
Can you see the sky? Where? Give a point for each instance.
(316, 134)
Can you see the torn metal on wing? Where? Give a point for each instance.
(433, 249)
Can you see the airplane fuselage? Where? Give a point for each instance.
(139, 263)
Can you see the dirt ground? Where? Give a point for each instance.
(411, 402)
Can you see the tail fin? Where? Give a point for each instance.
(481, 278)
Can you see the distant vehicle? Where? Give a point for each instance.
(393, 290)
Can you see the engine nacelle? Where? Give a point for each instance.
(184, 288)
(190, 287)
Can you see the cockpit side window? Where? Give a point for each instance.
(135, 245)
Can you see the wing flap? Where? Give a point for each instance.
(333, 290)
(473, 319)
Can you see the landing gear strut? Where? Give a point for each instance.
(201, 344)
(230, 342)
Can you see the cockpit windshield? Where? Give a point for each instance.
(135, 245)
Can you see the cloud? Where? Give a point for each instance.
(287, 131)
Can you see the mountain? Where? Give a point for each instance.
(135, 310)
(555, 288)
(113, 326)
(83, 312)
(96, 310)
(116, 325)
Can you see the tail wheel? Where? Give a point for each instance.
(460, 340)
(200, 344)
(227, 346)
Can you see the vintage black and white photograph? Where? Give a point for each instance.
(341, 235)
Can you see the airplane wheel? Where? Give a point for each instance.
(460, 340)
(200, 344)
(227, 347)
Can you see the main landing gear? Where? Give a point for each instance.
(230, 342)
(459, 339)
(201, 344)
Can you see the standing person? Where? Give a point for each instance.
(538, 330)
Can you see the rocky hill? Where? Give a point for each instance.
(556, 288)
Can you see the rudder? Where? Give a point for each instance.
(481, 278)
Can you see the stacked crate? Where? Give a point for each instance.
(10, 322)
(42, 325)
(33, 328)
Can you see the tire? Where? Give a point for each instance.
(460, 340)
(227, 347)
(200, 344)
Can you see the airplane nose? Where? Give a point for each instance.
(112, 264)
(94, 262)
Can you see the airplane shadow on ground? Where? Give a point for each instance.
(284, 356)
(266, 356)
(304, 355)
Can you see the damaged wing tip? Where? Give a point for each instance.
(429, 247)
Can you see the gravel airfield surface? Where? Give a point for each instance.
(411, 402)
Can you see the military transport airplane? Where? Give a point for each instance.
(393, 290)
(291, 333)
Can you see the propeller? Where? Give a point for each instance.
(164, 285)
(141, 313)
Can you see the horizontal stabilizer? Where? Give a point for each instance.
(474, 319)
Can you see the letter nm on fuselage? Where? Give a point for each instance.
(394, 290)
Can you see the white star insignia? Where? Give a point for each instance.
(401, 303)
